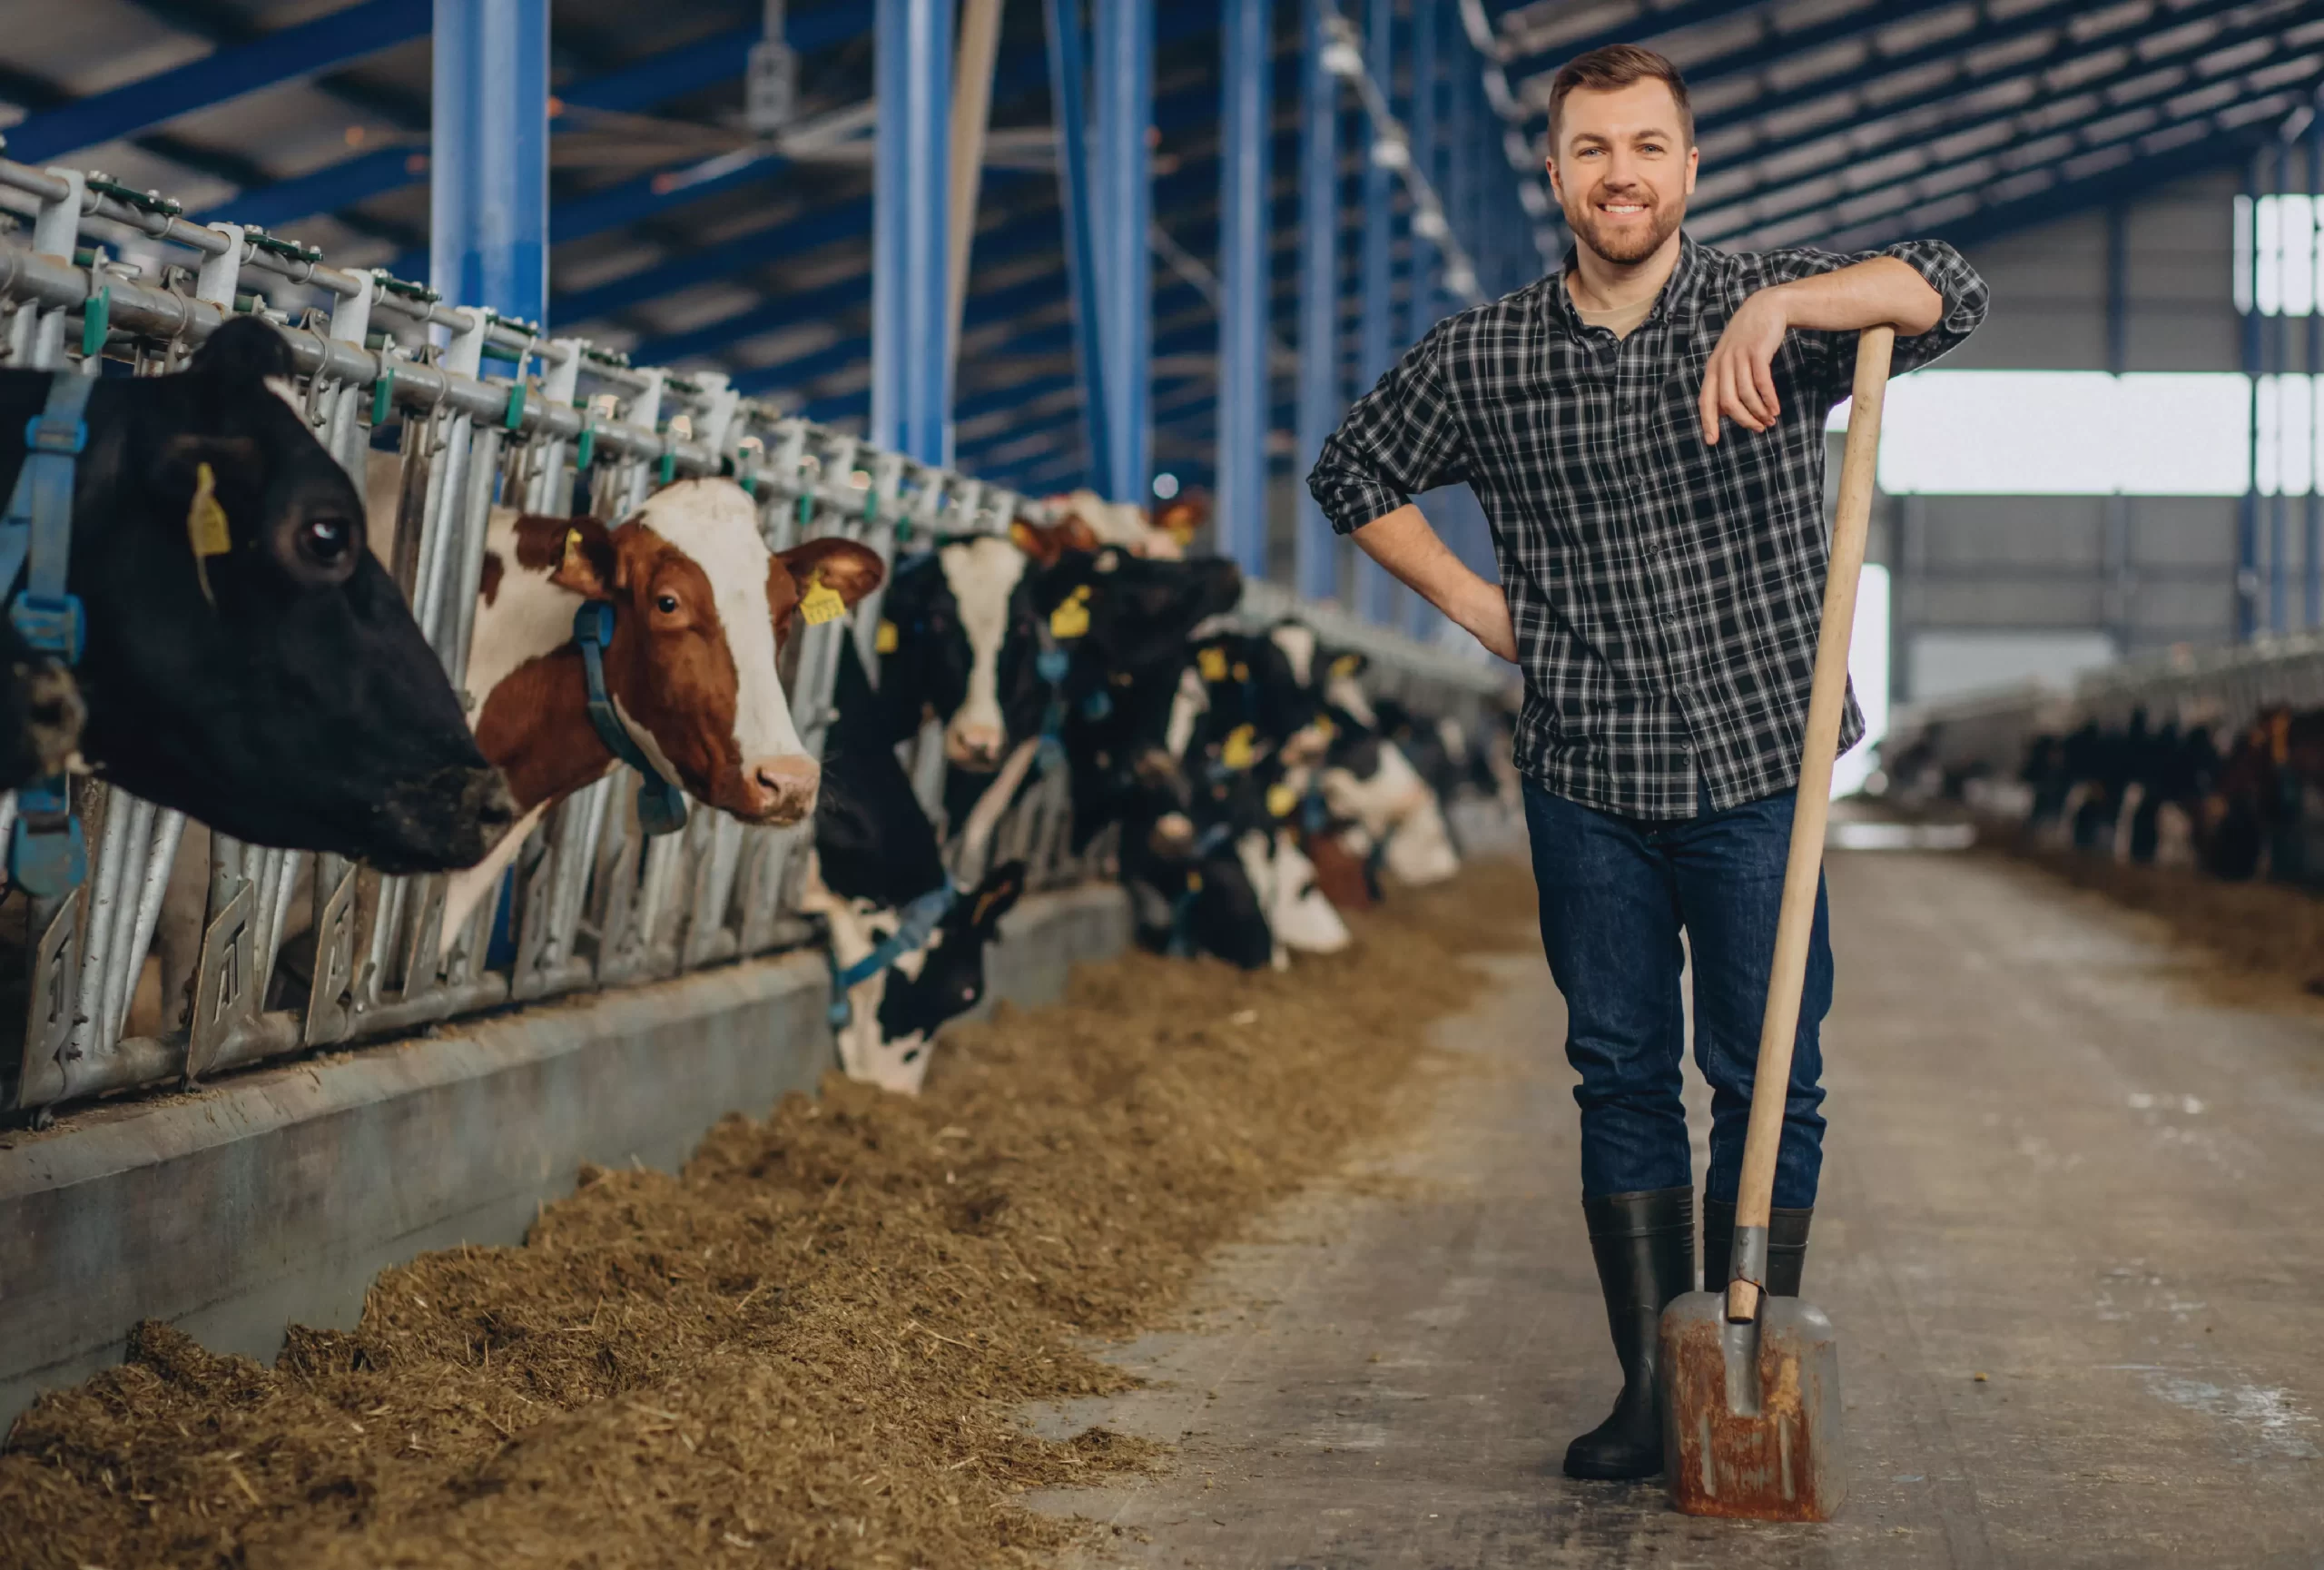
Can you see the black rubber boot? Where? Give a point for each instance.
(1787, 1246)
(1645, 1246)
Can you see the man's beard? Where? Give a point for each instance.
(1623, 247)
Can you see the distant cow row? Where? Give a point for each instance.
(246, 659)
(2238, 802)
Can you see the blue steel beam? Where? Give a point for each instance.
(1428, 27)
(1317, 553)
(1123, 79)
(655, 80)
(1944, 182)
(2273, 362)
(850, 293)
(1374, 589)
(1077, 206)
(911, 380)
(488, 208)
(2312, 535)
(2246, 508)
(731, 258)
(1245, 375)
(304, 50)
(1891, 121)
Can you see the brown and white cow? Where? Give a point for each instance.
(701, 609)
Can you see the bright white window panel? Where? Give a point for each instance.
(2065, 433)
(1868, 670)
(2279, 258)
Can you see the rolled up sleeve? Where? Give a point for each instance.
(1402, 437)
(1832, 354)
(1957, 283)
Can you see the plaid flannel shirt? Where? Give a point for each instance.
(1666, 594)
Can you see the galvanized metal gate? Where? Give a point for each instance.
(491, 412)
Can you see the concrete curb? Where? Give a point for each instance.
(276, 1195)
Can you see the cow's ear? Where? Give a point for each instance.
(586, 562)
(181, 456)
(999, 891)
(848, 569)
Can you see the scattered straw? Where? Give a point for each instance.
(809, 1347)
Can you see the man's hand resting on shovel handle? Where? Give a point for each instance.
(1738, 382)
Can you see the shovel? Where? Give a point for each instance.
(1751, 1383)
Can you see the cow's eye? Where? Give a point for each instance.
(667, 604)
(326, 541)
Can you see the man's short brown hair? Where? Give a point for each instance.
(1619, 66)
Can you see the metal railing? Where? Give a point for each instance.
(492, 410)
(1990, 730)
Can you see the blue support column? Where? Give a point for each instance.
(1244, 378)
(1319, 299)
(1375, 591)
(2312, 535)
(1421, 311)
(1069, 74)
(2247, 512)
(2274, 364)
(912, 396)
(1420, 301)
(2114, 565)
(488, 199)
(1124, 80)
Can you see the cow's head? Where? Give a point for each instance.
(701, 609)
(960, 643)
(1135, 614)
(946, 978)
(278, 688)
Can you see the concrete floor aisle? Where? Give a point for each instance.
(2069, 1233)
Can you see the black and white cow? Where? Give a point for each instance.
(877, 877)
(282, 693)
(1389, 814)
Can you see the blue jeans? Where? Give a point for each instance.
(1615, 895)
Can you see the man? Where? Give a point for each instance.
(1645, 433)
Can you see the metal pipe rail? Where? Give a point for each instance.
(1990, 730)
(569, 428)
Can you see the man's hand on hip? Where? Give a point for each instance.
(1402, 542)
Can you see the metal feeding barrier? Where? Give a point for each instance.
(1989, 731)
(492, 410)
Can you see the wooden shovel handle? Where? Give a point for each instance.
(1827, 702)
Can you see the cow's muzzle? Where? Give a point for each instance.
(780, 791)
(449, 819)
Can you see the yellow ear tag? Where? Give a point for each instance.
(1240, 752)
(1070, 619)
(572, 561)
(1324, 727)
(1214, 664)
(205, 526)
(821, 604)
(1194, 883)
(1281, 801)
(885, 641)
(1345, 665)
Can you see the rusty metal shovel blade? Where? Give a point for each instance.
(1751, 1411)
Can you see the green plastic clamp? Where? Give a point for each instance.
(96, 321)
(383, 397)
(586, 450)
(669, 466)
(514, 418)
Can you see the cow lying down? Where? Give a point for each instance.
(246, 661)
